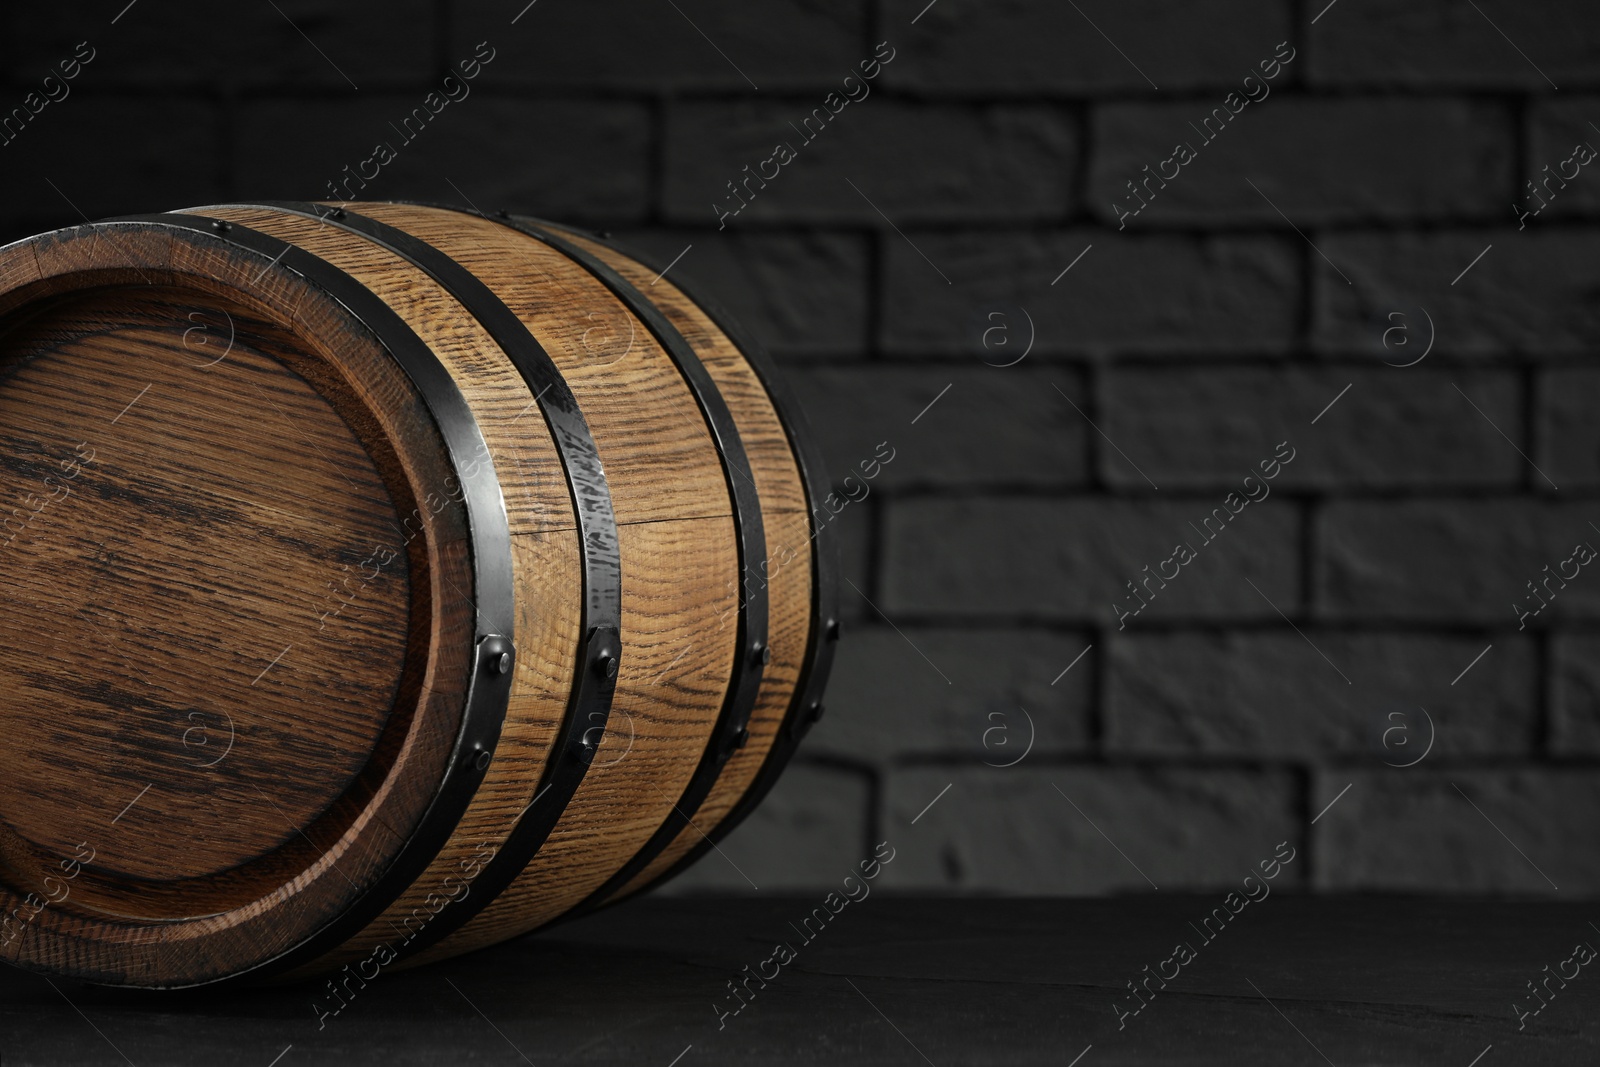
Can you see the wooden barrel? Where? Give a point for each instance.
(380, 585)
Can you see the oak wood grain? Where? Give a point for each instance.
(208, 594)
(521, 450)
(783, 577)
(660, 460)
(675, 665)
(548, 618)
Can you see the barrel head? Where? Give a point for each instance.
(231, 680)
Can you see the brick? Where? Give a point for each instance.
(1191, 428)
(107, 158)
(1014, 46)
(623, 45)
(1575, 695)
(1273, 696)
(1452, 561)
(1568, 433)
(369, 44)
(1070, 559)
(801, 294)
(1423, 44)
(913, 162)
(993, 426)
(974, 695)
(1555, 129)
(1128, 292)
(1318, 161)
(1016, 830)
(1416, 831)
(809, 832)
(467, 143)
(1528, 295)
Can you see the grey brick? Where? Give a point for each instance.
(1417, 831)
(1016, 830)
(624, 45)
(798, 294)
(498, 152)
(809, 832)
(368, 44)
(1395, 427)
(1529, 294)
(1071, 559)
(994, 426)
(1017, 46)
(1272, 696)
(1575, 695)
(107, 157)
(913, 162)
(1569, 433)
(1453, 561)
(1127, 293)
(1318, 161)
(974, 695)
(1555, 129)
(1419, 43)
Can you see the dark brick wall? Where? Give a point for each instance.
(1382, 174)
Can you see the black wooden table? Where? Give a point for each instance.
(1290, 980)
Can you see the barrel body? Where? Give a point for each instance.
(386, 581)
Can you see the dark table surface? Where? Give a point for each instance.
(1291, 980)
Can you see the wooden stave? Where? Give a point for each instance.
(815, 650)
(381, 266)
(508, 915)
(806, 707)
(803, 708)
(733, 728)
(700, 744)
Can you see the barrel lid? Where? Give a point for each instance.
(237, 650)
